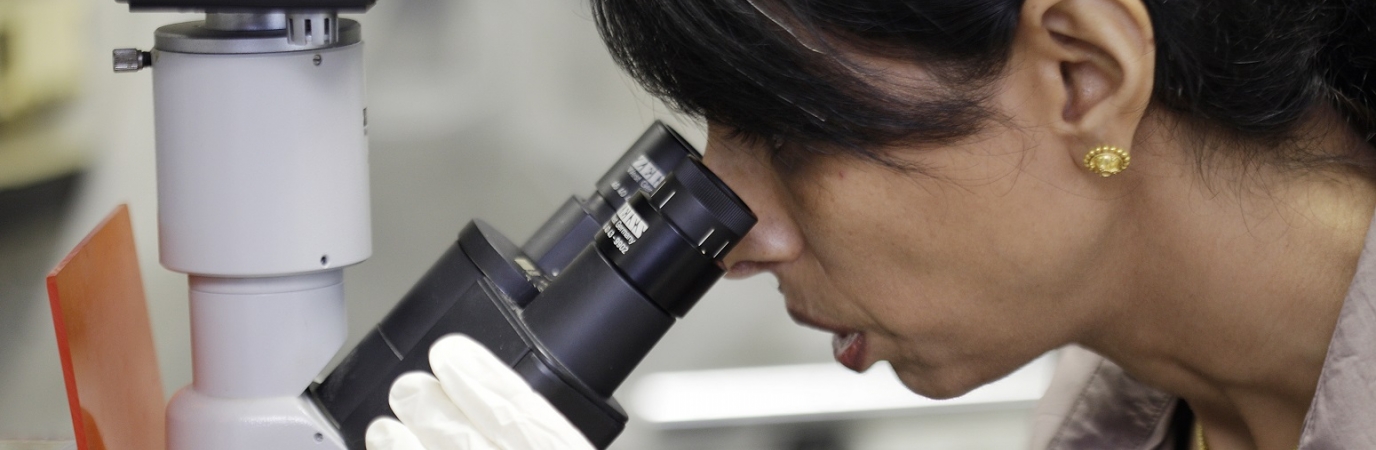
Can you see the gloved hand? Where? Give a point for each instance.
(472, 402)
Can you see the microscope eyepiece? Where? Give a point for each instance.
(657, 153)
(649, 264)
(704, 209)
(642, 169)
(577, 308)
(669, 244)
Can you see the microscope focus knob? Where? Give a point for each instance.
(132, 59)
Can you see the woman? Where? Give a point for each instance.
(1180, 190)
(924, 180)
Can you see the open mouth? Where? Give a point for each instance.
(847, 345)
(849, 350)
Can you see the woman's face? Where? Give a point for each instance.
(1001, 247)
(957, 274)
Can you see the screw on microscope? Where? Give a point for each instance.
(131, 59)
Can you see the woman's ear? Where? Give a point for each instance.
(1097, 59)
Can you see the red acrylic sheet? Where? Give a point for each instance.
(108, 360)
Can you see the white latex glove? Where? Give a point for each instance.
(473, 402)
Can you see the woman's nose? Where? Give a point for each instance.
(775, 239)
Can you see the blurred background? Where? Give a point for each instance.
(493, 109)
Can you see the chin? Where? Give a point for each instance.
(937, 384)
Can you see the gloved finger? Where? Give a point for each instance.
(421, 404)
(550, 420)
(497, 401)
(471, 358)
(386, 433)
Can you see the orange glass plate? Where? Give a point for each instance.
(108, 360)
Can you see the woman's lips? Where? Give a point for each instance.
(848, 346)
(849, 350)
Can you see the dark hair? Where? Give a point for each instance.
(769, 68)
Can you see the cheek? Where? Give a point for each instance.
(946, 257)
(868, 244)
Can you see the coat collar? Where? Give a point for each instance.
(1343, 414)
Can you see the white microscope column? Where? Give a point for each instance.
(262, 200)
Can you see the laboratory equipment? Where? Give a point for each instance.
(262, 163)
(572, 326)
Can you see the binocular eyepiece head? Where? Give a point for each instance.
(576, 308)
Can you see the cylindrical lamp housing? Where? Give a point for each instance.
(262, 160)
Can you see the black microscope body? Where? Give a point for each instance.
(576, 308)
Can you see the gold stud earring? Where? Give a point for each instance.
(1107, 160)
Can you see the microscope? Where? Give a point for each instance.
(262, 165)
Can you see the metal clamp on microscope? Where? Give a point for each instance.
(263, 200)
